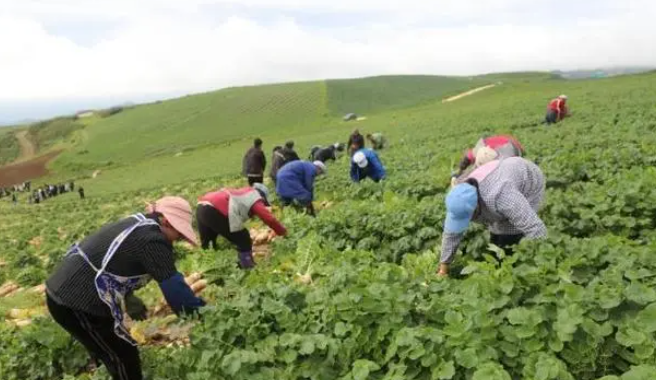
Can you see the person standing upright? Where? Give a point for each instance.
(254, 163)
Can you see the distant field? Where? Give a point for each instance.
(371, 95)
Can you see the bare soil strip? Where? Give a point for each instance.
(467, 93)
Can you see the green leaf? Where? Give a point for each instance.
(640, 293)
(646, 318)
(609, 298)
(491, 371)
(445, 371)
(341, 329)
(612, 377)
(467, 358)
(629, 337)
(362, 368)
(307, 347)
(641, 372)
(547, 368)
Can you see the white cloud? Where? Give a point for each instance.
(172, 46)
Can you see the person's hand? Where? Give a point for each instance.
(272, 235)
(135, 308)
(443, 271)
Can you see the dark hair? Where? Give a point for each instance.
(289, 144)
(277, 148)
(257, 142)
(474, 182)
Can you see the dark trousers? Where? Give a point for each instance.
(98, 337)
(552, 117)
(254, 180)
(211, 224)
(506, 242)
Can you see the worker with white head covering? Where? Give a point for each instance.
(366, 164)
(502, 194)
(295, 183)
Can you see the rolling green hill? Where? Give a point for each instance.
(231, 115)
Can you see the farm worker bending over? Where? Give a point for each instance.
(85, 293)
(502, 194)
(254, 163)
(224, 213)
(296, 183)
(505, 146)
(557, 110)
(365, 163)
(377, 140)
(355, 142)
(328, 153)
(277, 162)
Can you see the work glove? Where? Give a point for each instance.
(135, 307)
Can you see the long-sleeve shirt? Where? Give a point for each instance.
(220, 200)
(374, 169)
(277, 162)
(511, 196)
(145, 250)
(559, 106)
(254, 163)
(296, 181)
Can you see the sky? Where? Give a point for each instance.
(58, 56)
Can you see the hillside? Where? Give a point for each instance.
(353, 294)
(226, 116)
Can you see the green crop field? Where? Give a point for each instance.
(580, 304)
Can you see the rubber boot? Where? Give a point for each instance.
(246, 259)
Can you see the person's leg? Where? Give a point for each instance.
(204, 219)
(506, 242)
(97, 335)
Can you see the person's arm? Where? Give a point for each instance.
(157, 259)
(260, 210)
(465, 162)
(179, 295)
(263, 160)
(355, 172)
(450, 244)
(515, 207)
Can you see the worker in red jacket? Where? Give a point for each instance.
(504, 146)
(557, 110)
(224, 213)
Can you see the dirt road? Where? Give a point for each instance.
(28, 150)
(467, 93)
(25, 170)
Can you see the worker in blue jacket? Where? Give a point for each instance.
(365, 163)
(295, 182)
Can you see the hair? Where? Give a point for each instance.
(277, 148)
(368, 135)
(474, 182)
(257, 142)
(289, 144)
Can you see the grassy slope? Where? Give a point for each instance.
(9, 148)
(371, 95)
(206, 134)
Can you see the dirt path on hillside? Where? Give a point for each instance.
(470, 92)
(27, 170)
(27, 148)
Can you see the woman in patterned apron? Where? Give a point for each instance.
(86, 293)
(503, 194)
(224, 213)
